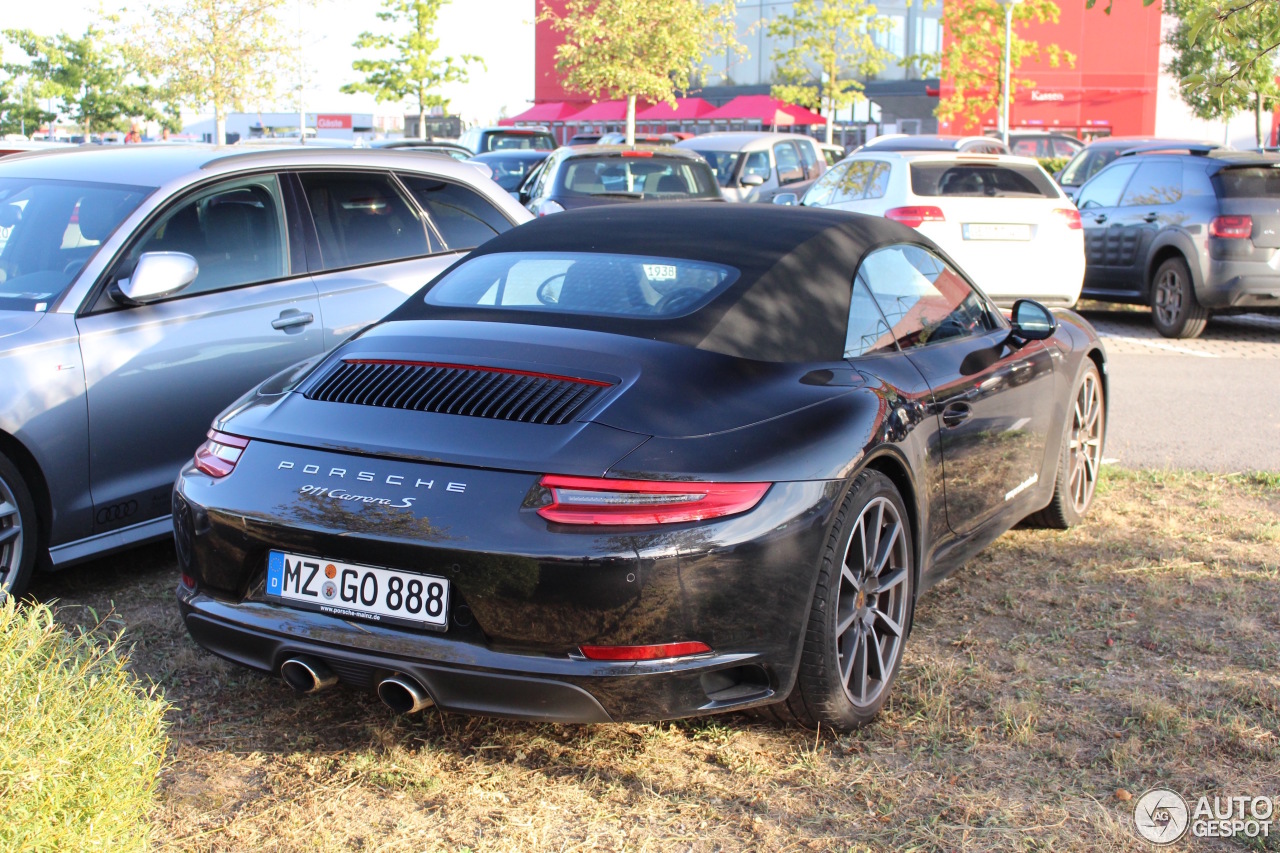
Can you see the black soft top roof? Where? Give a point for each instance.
(790, 302)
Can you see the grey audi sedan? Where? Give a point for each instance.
(143, 289)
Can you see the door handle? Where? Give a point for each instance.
(956, 413)
(1150, 217)
(291, 318)
(1100, 218)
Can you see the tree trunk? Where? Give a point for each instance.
(631, 119)
(1257, 117)
(831, 120)
(422, 121)
(219, 125)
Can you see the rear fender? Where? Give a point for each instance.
(1171, 243)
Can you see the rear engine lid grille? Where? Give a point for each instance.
(457, 389)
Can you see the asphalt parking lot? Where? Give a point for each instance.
(1210, 403)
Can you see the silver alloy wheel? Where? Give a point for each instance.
(10, 536)
(871, 607)
(1168, 301)
(1086, 442)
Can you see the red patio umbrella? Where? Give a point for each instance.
(550, 111)
(686, 109)
(604, 111)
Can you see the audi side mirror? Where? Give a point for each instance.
(157, 275)
(1032, 321)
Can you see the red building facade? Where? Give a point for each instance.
(1111, 89)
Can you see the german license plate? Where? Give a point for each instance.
(364, 592)
(996, 231)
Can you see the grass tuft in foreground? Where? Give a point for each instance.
(81, 741)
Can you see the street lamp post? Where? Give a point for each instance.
(1004, 90)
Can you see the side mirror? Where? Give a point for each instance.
(1032, 321)
(786, 198)
(156, 276)
(10, 215)
(751, 180)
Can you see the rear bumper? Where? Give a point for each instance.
(1241, 284)
(524, 596)
(490, 683)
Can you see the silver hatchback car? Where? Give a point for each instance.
(144, 288)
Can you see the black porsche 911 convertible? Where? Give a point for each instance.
(639, 463)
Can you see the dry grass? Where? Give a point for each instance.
(1055, 669)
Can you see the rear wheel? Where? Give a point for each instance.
(17, 531)
(861, 611)
(1175, 311)
(1081, 457)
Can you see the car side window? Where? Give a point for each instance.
(362, 218)
(757, 163)
(1105, 188)
(235, 231)
(788, 160)
(924, 300)
(1062, 148)
(1156, 182)
(809, 158)
(463, 218)
(878, 181)
(868, 333)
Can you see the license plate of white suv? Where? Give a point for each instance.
(365, 592)
(996, 231)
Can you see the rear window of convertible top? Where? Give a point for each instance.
(583, 283)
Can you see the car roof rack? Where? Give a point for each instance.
(1198, 149)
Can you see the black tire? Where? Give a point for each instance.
(872, 599)
(17, 531)
(1080, 459)
(1175, 311)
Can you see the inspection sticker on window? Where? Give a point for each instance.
(660, 272)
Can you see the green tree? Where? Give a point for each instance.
(88, 74)
(832, 47)
(973, 58)
(1211, 57)
(1247, 29)
(212, 53)
(20, 112)
(412, 72)
(639, 48)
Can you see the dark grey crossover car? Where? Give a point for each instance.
(1188, 234)
(144, 288)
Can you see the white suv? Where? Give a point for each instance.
(756, 166)
(1002, 219)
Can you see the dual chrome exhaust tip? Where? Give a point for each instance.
(400, 693)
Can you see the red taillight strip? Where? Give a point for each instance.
(1071, 215)
(915, 215)
(506, 370)
(1231, 227)
(218, 456)
(658, 652)
(595, 500)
